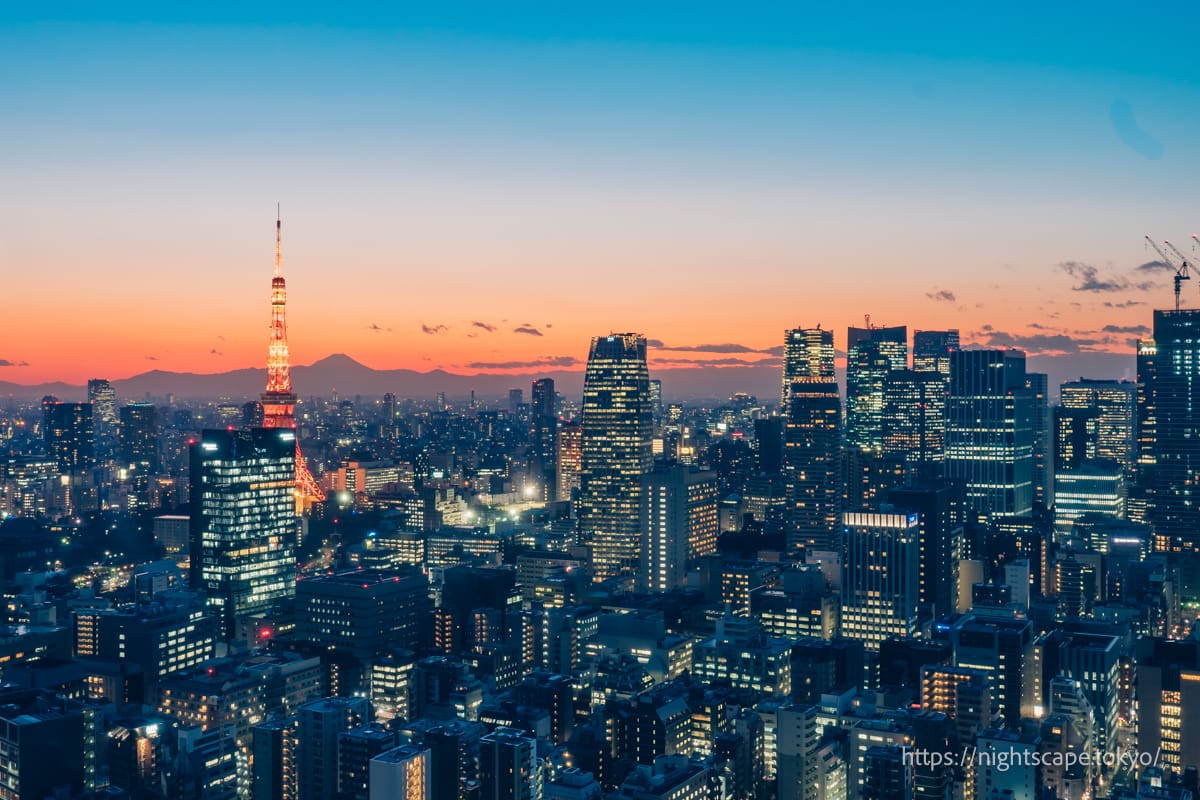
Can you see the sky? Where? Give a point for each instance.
(486, 186)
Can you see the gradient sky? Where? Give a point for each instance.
(704, 176)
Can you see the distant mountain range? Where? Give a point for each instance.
(348, 377)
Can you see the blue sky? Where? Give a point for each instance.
(458, 159)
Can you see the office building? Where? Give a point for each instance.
(939, 518)
(364, 612)
(914, 418)
(569, 458)
(812, 446)
(68, 434)
(617, 429)
(807, 357)
(139, 436)
(1114, 407)
(989, 433)
(880, 577)
(872, 354)
(243, 521)
(678, 524)
(1174, 385)
(1042, 422)
(932, 349)
(1094, 487)
(543, 449)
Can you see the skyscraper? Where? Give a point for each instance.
(1043, 437)
(871, 355)
(914, 418)
(139, 436)
(807, 356)
(1175, 386)
(544, 444)
(812, 447)
(568, 458)
(989, 434)
(880, 577)
(103, 399)
(509, 768)
(616, 451)
(243, 521)
(932, 349)
(678, 522)
(1114, 406)
(68, 433)
(278, 401)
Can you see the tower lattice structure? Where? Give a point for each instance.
(279, 401)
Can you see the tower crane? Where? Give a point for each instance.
(1181, 271)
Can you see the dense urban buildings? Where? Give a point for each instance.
(624, 593)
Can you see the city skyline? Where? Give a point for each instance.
(444, 174)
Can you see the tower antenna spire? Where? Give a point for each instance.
(278, 243)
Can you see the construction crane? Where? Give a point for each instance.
(1181, 271)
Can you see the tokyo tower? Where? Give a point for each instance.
(278, 401)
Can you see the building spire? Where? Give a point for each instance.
(278, 243)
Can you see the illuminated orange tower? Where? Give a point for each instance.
(278, 401)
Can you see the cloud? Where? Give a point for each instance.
(546, 361)
(726, 348)
(1090, 280)
(432, 329)
(377, 328)
(215, 352)
(728, 361)
(1155, 266)
(527, 329)
(1124, 304)
(483, 326)
(4, 362)
(1134, 329)
(152, 358)
(1040, 343)
(941, 295)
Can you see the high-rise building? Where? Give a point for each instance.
(1043, 438)
(509, 768)
(914, 418)
(1094, 487)
(68, 433)
(1114, 407)
(812, 446)
(103, 400)
(279, 401)
(989, 432)
(139, 436)
(880, 577)
(807, 356)
(1175, 387)
(544, 440)
(569, 458)
(932, 349)
(940, 525)
(871, 355)
(1002, 647)
(678, 524)
(321, 722)
(616, 452)
(243, 521)
(401, 773)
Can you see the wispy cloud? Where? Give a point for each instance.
(1139, 330)
(941, 295)
(432, 329)
(537, 363)
(1089, 279)
(378, 328)
(528, 330)
(4, 362)
(483, 326)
